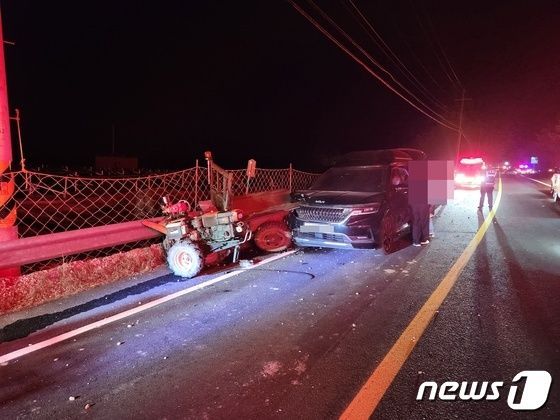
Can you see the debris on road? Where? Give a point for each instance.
(271, 369)
(245, 263)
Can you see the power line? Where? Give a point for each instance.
(420, 63)
(437, 46)
(443, 51)
(369, 57)
(365, 66)
(386, 49)
(444, 54)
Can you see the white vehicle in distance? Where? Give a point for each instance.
(555, 185)
(469, 172)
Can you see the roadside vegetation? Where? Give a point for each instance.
(67, 279)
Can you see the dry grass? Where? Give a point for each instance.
(68, 279)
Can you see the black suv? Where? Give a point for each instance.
(362, 202)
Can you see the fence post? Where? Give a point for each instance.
(290, 176)
(196, 180)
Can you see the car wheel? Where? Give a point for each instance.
(388, 233)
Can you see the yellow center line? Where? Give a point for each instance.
(365, 402)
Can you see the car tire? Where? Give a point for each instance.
(185, 259)
(388, 233)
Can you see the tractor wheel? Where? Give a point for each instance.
(273, 237)
(185, 259)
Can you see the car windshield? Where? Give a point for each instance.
(354, 179)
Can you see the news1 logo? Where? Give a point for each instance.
(531, 396)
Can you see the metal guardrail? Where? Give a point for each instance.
(23, 251)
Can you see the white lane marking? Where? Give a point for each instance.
(62, 337)
(540, 182)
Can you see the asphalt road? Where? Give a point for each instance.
(298, 337)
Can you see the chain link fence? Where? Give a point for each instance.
(48, 203)
(53, 203)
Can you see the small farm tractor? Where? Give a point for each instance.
(205, 236)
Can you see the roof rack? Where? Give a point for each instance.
(382, 156)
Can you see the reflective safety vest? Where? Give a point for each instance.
(490, 178)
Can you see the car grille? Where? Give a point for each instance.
(333, 237)
(321, 214)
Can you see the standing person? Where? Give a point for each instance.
(420, 224)
(487, 188)
(431, 222)
(418, 202)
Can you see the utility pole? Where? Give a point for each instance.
(8, 228)
(5, 138)
(460, 135)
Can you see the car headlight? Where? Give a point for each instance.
(369, 209)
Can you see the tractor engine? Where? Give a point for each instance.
(219, 226)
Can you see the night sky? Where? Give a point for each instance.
(254, 79)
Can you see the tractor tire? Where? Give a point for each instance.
(185, 259)
(273, 237)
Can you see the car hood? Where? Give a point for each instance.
(340, 198)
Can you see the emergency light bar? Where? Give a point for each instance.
(471, 161)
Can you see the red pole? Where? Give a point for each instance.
(8, 230)
(5, 138)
